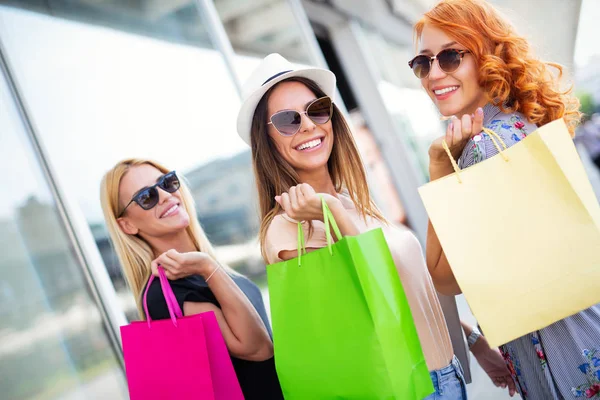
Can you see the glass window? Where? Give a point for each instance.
(52, 340)
(415, 116)
(257, 28)
(112, 80)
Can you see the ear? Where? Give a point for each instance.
(127, 227)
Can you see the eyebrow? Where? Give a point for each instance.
(146, 187)
(291, 109)
(447, 45)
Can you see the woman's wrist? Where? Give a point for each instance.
(214, 272)
(343, 219)
(480, 345)
(206, 266)
(439, 169)
(335, 206)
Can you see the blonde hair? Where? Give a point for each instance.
(274, 175)
(135, 254)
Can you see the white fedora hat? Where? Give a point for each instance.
(272, 70)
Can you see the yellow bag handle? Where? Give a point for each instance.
(493, 135)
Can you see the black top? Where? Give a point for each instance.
(258, 380)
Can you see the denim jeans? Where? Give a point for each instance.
(449, 383)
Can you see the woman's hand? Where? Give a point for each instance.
(458, 133)
(302, 203)
(494, 365)
(180, 265)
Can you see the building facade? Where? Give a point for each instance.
(84, 84)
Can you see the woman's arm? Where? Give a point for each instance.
(491, 360)
(242, 328)
(459, 132)
(439, 268)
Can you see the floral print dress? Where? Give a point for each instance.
(560, 361)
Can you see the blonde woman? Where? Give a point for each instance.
(152, 222)
(302, 148)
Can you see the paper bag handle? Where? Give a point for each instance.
(329, 222)
(170, 299)
(493, 136)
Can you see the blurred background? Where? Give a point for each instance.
(85, 83)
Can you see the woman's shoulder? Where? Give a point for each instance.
(402, 237)
(250, 289)
(511, 127)
(510, 123)
(346, 200)
(281, 224)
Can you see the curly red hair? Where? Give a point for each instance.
(511, 77)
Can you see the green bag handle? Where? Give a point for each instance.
(301, 243)
(329, 222)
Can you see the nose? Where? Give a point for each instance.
(307, 124)
(436, 72)
(163, 195)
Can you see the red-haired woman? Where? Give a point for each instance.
(480, 72)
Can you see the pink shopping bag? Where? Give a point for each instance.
(181, 358)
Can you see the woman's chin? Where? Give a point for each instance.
(448, 110)
(184, 222)
(312, 162)
(179, 223)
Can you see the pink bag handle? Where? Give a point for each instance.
(172, 304)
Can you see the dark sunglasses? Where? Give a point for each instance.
(449, 60)
(288, 122)
(147, 198)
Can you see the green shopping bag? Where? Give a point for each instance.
(342, 326)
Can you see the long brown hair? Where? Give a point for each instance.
(135, 254)
(274, 175)
(511, 77)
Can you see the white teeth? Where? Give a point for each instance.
(170, 211)
(309, 145)
(445, 90)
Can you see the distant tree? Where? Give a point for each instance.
(587, 104)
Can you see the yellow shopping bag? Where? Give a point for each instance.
(521, 233)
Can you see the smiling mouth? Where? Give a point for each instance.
(310, 145)
(170, 211)
(445, 90)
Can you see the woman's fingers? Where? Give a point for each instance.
(307, 190)
(156, 264)
(285, 202)
(512, 388)
(449, 132)
(467, 127)
(293, 193)
(477, 122)
(171, 266)
(154, 267)
(456, 131)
